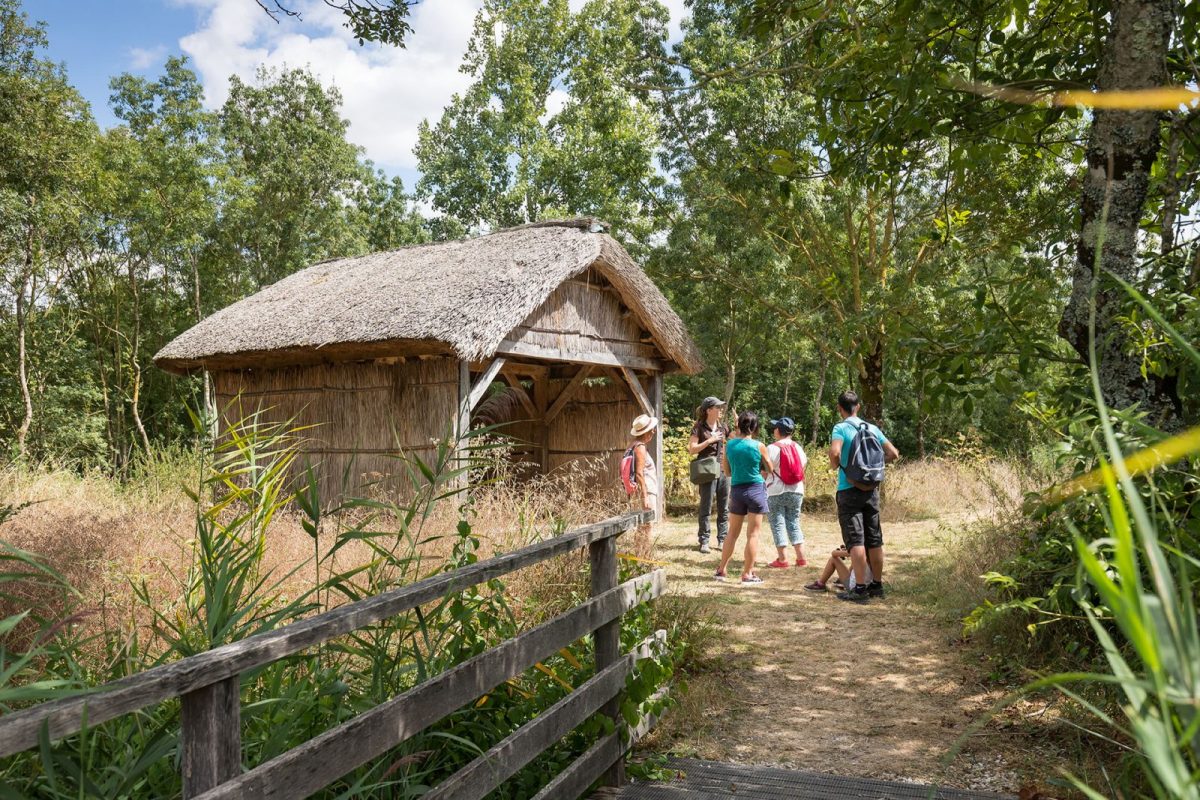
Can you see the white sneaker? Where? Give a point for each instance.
(704, 548)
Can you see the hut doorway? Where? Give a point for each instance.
(562, 416)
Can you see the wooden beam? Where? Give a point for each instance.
(498, 764)
(574, 779)
(565, 395)
(19, 730)
(524, 349)
(656, 397)
(482, 383)
(607, 638)
(639, 394)
(541, 399)
(211, 736)
(323, 759)
(464, 391)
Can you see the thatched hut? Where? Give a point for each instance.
(389, 352)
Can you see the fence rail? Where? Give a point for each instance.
(208, 685)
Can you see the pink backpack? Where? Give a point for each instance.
(629, 471)
(791, 468)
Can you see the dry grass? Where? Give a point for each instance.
(105, 537)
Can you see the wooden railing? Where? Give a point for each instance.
(208, 686)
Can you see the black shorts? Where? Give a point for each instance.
(858, 515)
(748, 498)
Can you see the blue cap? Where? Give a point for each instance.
(784, 424)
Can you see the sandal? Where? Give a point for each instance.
(752, 579)
(778, 563)
(816, 586)
(719, 575)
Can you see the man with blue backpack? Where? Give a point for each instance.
(859, 451)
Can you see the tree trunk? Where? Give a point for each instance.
(1171, 183)
(209, 399)
(787, 383)
(22, 316)
(819, 397)
(135, 366)
(871, 390)
(921, 416)
(1122, 148)
(730, 381)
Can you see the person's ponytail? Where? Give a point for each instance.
(747, 423)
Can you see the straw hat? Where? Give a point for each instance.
(642, 425)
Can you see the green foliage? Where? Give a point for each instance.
(552, 124)
(228, 594)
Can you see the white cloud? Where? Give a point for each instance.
(387, 91)
(141, 58)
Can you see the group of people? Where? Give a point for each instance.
(747, 480)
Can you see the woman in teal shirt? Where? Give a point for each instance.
(747, 465)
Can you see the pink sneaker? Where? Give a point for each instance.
(778, 563)
(802, 562)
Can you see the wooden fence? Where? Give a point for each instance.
(208, 685)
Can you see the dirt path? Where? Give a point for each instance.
(881, 690)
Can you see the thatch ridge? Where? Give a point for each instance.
(468, 294)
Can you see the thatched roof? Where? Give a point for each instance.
(462, 297)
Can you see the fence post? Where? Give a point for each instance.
(607, 639)
(211, 736)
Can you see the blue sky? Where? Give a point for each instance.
(97, 40)
(386, 91)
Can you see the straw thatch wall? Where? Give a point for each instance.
(586, 318)
(594, 423)
(362, 414)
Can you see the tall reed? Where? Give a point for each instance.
(229, 593)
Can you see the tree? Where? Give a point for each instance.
(502, 153)
(288, 173)
(368, 20)
(893, 79)
(1122, 149)
(45, 132)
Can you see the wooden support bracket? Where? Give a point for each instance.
(565, 395)
(639, 394)
(484, 381)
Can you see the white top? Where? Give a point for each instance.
(651, 474)
(776, 486)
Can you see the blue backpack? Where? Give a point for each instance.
(864, 465)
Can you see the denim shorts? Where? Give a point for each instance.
(748, 498)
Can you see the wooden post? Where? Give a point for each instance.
(656, 397)
(541, 401)
(607, 638)
(211, 736)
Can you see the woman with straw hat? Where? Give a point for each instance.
(645, 472)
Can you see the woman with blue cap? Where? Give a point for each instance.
(785, 492)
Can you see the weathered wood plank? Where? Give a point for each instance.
(501, 762)
(211, 734)
(639, 394)
(19, 730)
(607, 638)
(482, 383)
(564, 396)
(524, 349)
(325, 758)
(656, 397)
(574, 780)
